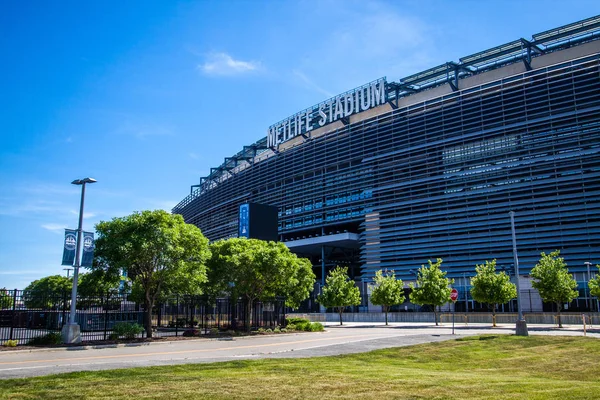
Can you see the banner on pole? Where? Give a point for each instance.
(69, 247)
(88, 249)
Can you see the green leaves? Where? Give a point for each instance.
(387, 290)
(256, 269)
(595, 284)
(6, 299)
(489, 287)
(432, 285)
(339, 291)
(553, 280)
(45, 292)
(159, 251)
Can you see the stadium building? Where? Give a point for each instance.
(394, 173)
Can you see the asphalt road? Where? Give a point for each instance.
(351, 338)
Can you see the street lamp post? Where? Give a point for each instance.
(521, 328)
(71, 332)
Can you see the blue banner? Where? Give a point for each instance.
(88, 249)
(70, 245)
(244, 221)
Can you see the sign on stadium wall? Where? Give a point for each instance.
(341, 106)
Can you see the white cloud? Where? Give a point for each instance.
(85, 214)
(57, 228)
(310, 84)
(368, 40)
(224, 64)
(143, 130)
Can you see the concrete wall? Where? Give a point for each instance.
(485, 318)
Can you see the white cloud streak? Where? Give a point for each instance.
(310, 84)
(56, 228)
(222, 64)
(143, 130)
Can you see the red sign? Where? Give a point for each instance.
(454, 295)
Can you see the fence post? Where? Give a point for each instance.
(177, 317)
(64, 308)
(14, 314)
(106, 315)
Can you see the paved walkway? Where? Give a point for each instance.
(350, 338)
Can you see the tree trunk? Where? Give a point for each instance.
(148, 319)
(494, 316)
(559, 307)
(386, 308)
(341, 310)
(435, 316)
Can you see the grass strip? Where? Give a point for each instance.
(484, 367)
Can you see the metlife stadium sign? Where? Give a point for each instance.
(337, 108)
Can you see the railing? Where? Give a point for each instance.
(27, 316)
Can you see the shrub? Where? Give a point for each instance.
(48, 339)
(296, 320)
(316, 327)
(126, 330)
(300, 324)
(11, 343)
(261, 330)
(277, 330)
(214, 331)
(191, 332)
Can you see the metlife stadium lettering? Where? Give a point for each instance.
(342, 106)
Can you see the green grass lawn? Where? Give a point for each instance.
(486, 367)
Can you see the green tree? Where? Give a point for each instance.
(491, 288)
(553, 281)
(6, 299)
(98, 282)
(99, 288)
(158, 250)
(253, 270)
(595, 284)
(387, 291)
(339, 291)
(432, 288)
(47, 292)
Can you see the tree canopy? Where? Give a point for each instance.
(254, 269)
(339, 291)
(595, 284)
(491, 288)
(432, 288)
(553, 280)
(98, 282)
(159, 251)
(47, 292)
(387, 291)
(6, 299)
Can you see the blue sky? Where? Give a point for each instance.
(146, 96)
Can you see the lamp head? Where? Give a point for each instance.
(82, 181)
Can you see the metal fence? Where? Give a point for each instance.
(27, 315)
